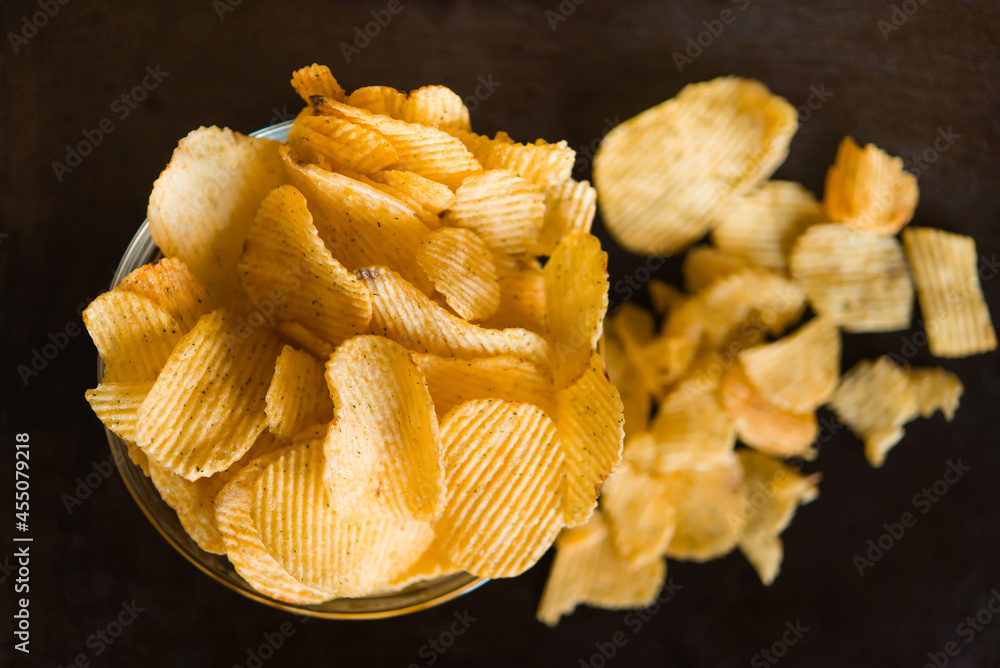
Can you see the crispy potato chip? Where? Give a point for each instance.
(576, 297)
(570, 206)
(436, 106)
(433, 563)
(505, 467)
(933, 389)
(703, 265)
(117, 405)
(303, 338)
(856, 278)
(761, 424)
(665, 297)
(640, 513)
(206, 407)
(636, 400)
(522, 294)
(316, 80)
(337, 144)
(762, 226)
(173, 287)
(506, 210)
(867, 189)
(800, 372)
(590, 424)
(383, 454)
(587, 570)
(138, 457)
(285, 266)
(945, 269)
(708, 503)
(455, 381)
(378, 100)
(429, 199)
(293, 511)
(298, 396)
(461, 267)
(667, 175)
(133, 335)
(666, 359)
(204, 202)
(875, 399)
(400, 312)
(691, 429)
(541, 163)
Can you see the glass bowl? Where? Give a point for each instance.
(416, 597)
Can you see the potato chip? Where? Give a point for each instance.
(570, 206)
(455, 381)
(857, 279)
(590, 425)
(293, 512)
(708, 503)
(436, 106)
(378, 100)
(338, 144)
(204, 202)
(298, 396)
(192, 501)
(138, 457)
(945, 269)
(633, 325)
(761, 424)
(691, 428)
(933, 389)
(206, 407)
(665, 359)
(576, 298)
(401, 313)
(505, 468)
(665, 297)
(173, 287)
(522, 294)
(305, 339)
(316, 80)
(433, 563)
(285, 266)
(636, 399)
(762, 226)
(540, 163)
(117, 405)
(703, 265)
(875, 399)
(429, 199)
(461, 268)
(506, 210)
(133, 335)
(800, 372)
(640, 512)
(665, 177)
(867, 189)
(587, 570)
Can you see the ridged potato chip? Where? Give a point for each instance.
(336, 144)
(286, 266)
(436, 106)
(506, 210)
(505, 469)
(206, 407)
(429, 199)
(856, 278)
(297, 396)
(799, 372)
(461, 267)
(138, 457)
(133, 335)
(173, 287)
(204, 202)
(665, 177)
(383, 453)
(945, 269)
(867, 189)
(576, 298)
(933, 389)
(117, 405)
(293, 513)
(541, 163)
(433, 563)
(640, 513)
(587, 570)
(305, 339)
(762, 226)
(316, 80)
(708, 503)
(570, 206)
(522, 294)
(378, 100)
(762, 425)
(703, 265)
(402, 313)
(691, 429)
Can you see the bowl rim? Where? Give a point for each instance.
(143, 248)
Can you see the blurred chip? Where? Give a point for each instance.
(506, 210)
(570, 206)
(298, 396)
(336, 144)
(173, 287)
(636, 399)
(664, 296)
(691, 429)
(639, 510)
(133, 335)
(316, 80)
(703, 265)
(461, 268)
(541, 163)
(761, 424)
(708, 502)
(934, 390)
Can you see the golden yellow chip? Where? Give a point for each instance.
(429, 199)
(875, 399)
(665, 297)
(506, 210)
(338, 144)
(286, 269)
(437, 106)
(541, 163)
(193, 503)
(691, 429)
(867, 189)
(298, 396)
(206, 407)
(522, 294)
(667, 175)
(587, 570)
(117, 405)
(800, 372)
(433, 563)
(708, 502)
(762, 226)
(173, 287)
(761, 424)
(138, 457)
(405, 315)
(204, 202)
(703, 265)
(378, 100)
(316, 80)
(945, 269)
(640, 513)
(303, 338)
(858, 279)
(294, 515)
(570, 206)
(624, 375)
(133, 335)
(576, 298)
(933, 389)
(461, 267)
(633, 325)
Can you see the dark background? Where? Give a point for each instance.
(62, 240)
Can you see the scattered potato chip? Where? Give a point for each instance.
(461, 267)
(856, 278)
(633, 325)
(522, 294)
(570, 206)
(707, 502)
(761, 424)
(316, 80)
(429, 199)
(762, 226)
(117, 405)
(867, 189)
(945, 269)
(303, 338)
(800, 372)
(506, 210)
(336, 144)
(505, 467)
(206, 407)
(703, 265)
(204, 202)
(640, 513)
(665, 297)
(665, 177)
(691, 428)
(133, 335)
(541, 163)
(383, 454)
(636, 399)
(298, 396)
(933, 389)
(436, 106)
(173, 287)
